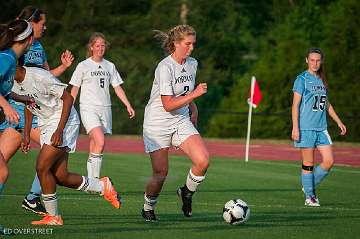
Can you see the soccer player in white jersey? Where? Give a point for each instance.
(36, 55)
(59, 126)
(167, 120)
(309, 111)
(94, 75)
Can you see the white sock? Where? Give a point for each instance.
(50, 203)
(91, 185)
(94, 165)
(192, 181)
(149, 202)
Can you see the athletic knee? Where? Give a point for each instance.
(160, 172)
(327, 165)
(4, 174)
(41, 169)
(203, 161)
(99, 146)
(61, 178)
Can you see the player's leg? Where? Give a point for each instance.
(32, 201)
(47, 158)
(307, 176)
(96, 147)
(91, 120)
(325, 148)
(82, 183)
(3, 177)
(10, 141)
(4, 171)
(160, 165)
(323, 169)
(195, 148)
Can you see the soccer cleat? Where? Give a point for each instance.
(312, 202)
(110, 194)
(186, 196)
(149, 216)
(34, 205)
(49, 220)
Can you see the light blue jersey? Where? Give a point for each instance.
(35, 55)
(313, 106)
(7, 71)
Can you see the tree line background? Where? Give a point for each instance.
(235, 40)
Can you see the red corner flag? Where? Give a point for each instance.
(256, 93)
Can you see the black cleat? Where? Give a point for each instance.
(149, 216)
(34, 205)
(186, 196)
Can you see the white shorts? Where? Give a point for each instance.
(164, 138)
(70, 135)
(96, 116)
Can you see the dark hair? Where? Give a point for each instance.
(31, 14)
(9, 32)
(175, 34)
(321, 70)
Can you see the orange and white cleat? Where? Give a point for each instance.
(110, 193)
(49, 220)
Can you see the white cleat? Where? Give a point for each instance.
(312, 202)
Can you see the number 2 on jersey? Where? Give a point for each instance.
(319, 102)
(186, 90)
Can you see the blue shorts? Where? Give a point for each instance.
(20, 108)
(312, 139)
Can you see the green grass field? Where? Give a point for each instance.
(272, 190)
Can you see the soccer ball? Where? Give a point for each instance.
(236, 211)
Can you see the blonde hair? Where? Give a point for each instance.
(175, 34)
(92, 39)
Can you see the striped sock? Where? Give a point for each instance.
(193, 181)
(91, 185)
(150, 202)
(51, 205)
(94, 165)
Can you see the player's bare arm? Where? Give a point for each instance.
(172, 103)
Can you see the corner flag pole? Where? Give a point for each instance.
(249, 119)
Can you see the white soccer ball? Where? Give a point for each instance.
(236, 211)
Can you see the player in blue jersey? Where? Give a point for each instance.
(309, 112)
(36, 56)
(15, 38)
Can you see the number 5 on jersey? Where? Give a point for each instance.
(319, 102)
(102, 82)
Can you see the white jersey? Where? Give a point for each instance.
(171, 78)
(47, 90)
(94, 79)
(16, 89)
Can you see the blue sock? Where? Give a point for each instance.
(319, 175)
(35, 189)
(308, 184)
(1, 188)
